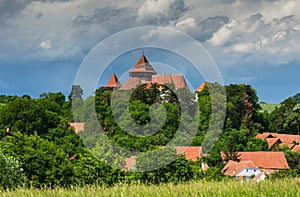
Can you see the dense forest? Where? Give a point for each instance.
(38, 147)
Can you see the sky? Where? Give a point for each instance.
(43, 43)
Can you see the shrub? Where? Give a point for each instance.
(11, 174)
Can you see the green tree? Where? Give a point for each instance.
(278, 117)
(76, 93)
(11, 173)
(27, 116)
(43, 162)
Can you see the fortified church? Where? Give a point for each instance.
(143, 73)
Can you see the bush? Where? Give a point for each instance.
(11, 174)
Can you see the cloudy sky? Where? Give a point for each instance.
(256, 42)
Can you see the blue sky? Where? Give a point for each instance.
(44, 42)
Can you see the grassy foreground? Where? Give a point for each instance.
(228, 188)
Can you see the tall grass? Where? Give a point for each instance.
(229, 188)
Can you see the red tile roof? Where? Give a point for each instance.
(296, 148)
(200, 88)
(113, 82)
(131, 84)
(272, 141)
(264, 136)
(285, 138)
(78, 126)
(142, 66)
(191, 152)
(266, 160)
(177, 80)
(130, 163)
(233, 168)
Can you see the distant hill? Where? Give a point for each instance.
(268, 107)
(297, 98)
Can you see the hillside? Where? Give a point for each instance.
(297, 98)
(268, 107)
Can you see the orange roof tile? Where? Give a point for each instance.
(200, 88)
(142, 65)
(131, 84)
(286, 138)
(266, 160)
(191, 152)
(296, 148)
(177, 80)
(233, 168)
(272, 141)
(130, 163)
(78, 126)
(113, 82)
(264, 136)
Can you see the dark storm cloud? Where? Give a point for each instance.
(211, 25)
(11, 7)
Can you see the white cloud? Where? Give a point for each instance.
(161, 12)
(63, 29)
(45, 45)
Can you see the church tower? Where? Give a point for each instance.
(142, 70)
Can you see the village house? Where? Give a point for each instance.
(77, 126)
(276, 141)
(244, 170)
(255, 165)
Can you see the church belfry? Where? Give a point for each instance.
(142, 70)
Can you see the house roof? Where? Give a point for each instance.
(113, 82)
(177, 80)
(191, 152)
(142, 66)
(201, 87)
(131, 83)
(272, 141)
(78, 126)
(296, 148)
(130, 163)
(258, 177)
(266, 160)
(264, 136)
(285, 138)
(233, 168)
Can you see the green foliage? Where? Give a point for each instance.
(285, 174)
(4, 99)
(296, 98)
(242, 105)
(11, 173)
(293, 159)
(44, 163)
(178, 170)
(27, 116)
(285, 119)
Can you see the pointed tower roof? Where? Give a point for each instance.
(201, 87)
(113, 82)
(143, 66)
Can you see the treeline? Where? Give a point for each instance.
(39, 148)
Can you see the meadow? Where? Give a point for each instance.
(288, 187)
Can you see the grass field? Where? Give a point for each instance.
(268, 107)
(228, 188)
